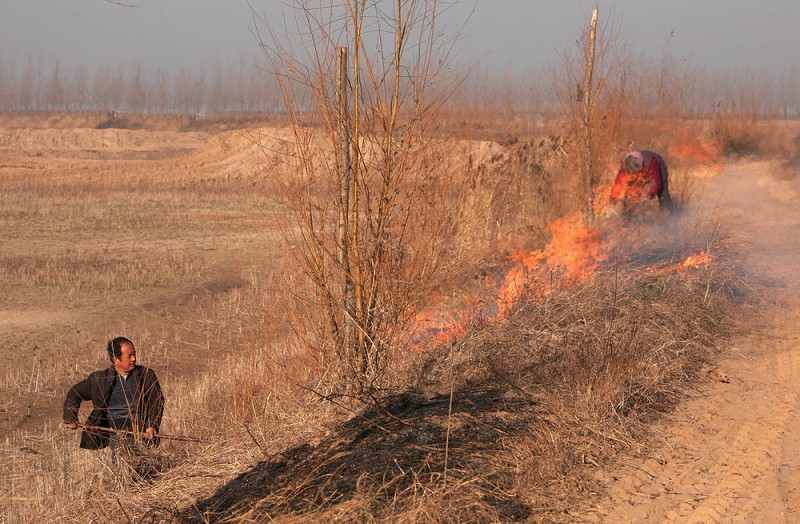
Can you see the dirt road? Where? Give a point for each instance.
(732, 453)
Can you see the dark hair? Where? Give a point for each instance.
(114, 347)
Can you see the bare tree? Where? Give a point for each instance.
(80, 94)
(30, 84)
(217, 94)
(789, 92)
(189, 89)
(54, 90)
(7, 83)
(161, 100)
(109, 87)
(137, 92)
(591, 92)
(365, 262)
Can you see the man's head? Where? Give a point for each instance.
(632, 162)
(122, 353)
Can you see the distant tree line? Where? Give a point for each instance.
(38, 85)
(666, 86)
(656, 87)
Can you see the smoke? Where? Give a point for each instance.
(757, 203)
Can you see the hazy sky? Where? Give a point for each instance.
(522, 33)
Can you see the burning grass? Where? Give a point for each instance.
(507, 422)
(510, 421)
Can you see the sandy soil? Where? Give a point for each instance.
(731, 454)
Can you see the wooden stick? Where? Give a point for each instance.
(182, 438)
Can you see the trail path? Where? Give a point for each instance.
(732, 453)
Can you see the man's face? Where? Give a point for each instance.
(126, 361)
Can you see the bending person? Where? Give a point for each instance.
(642, 174)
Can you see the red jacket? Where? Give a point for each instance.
(632, 186)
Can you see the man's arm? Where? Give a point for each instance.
(153, 403)
(78, 393)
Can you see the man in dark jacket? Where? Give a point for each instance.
(126, 400)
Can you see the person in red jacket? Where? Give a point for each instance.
(642, 174)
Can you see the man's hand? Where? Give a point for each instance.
(150, 433)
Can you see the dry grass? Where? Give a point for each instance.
(125, 120)
(93, 248)
(569, 380)
(72, 272)
(507, 424)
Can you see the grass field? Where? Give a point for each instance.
(165, 236)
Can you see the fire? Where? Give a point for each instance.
(695, 261)
(700, 259)
(703, 153)
(449, 325)
(575, 249)
(573, 254)
(517, 278)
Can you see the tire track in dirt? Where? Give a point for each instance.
(746, 474)
(731, 452)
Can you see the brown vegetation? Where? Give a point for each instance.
(164, 246)
(507, 422)
(354, 362)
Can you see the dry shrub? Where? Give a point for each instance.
(386, 464)
(601, 360)
(511, 192)
(743, 136)
(509, 422)
(783, 143)
(738, 135)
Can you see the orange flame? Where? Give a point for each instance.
(573, 254)
(704, 153)
(449, 325)
(700, 259)
(695, 261)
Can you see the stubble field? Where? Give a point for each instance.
(110, 232)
